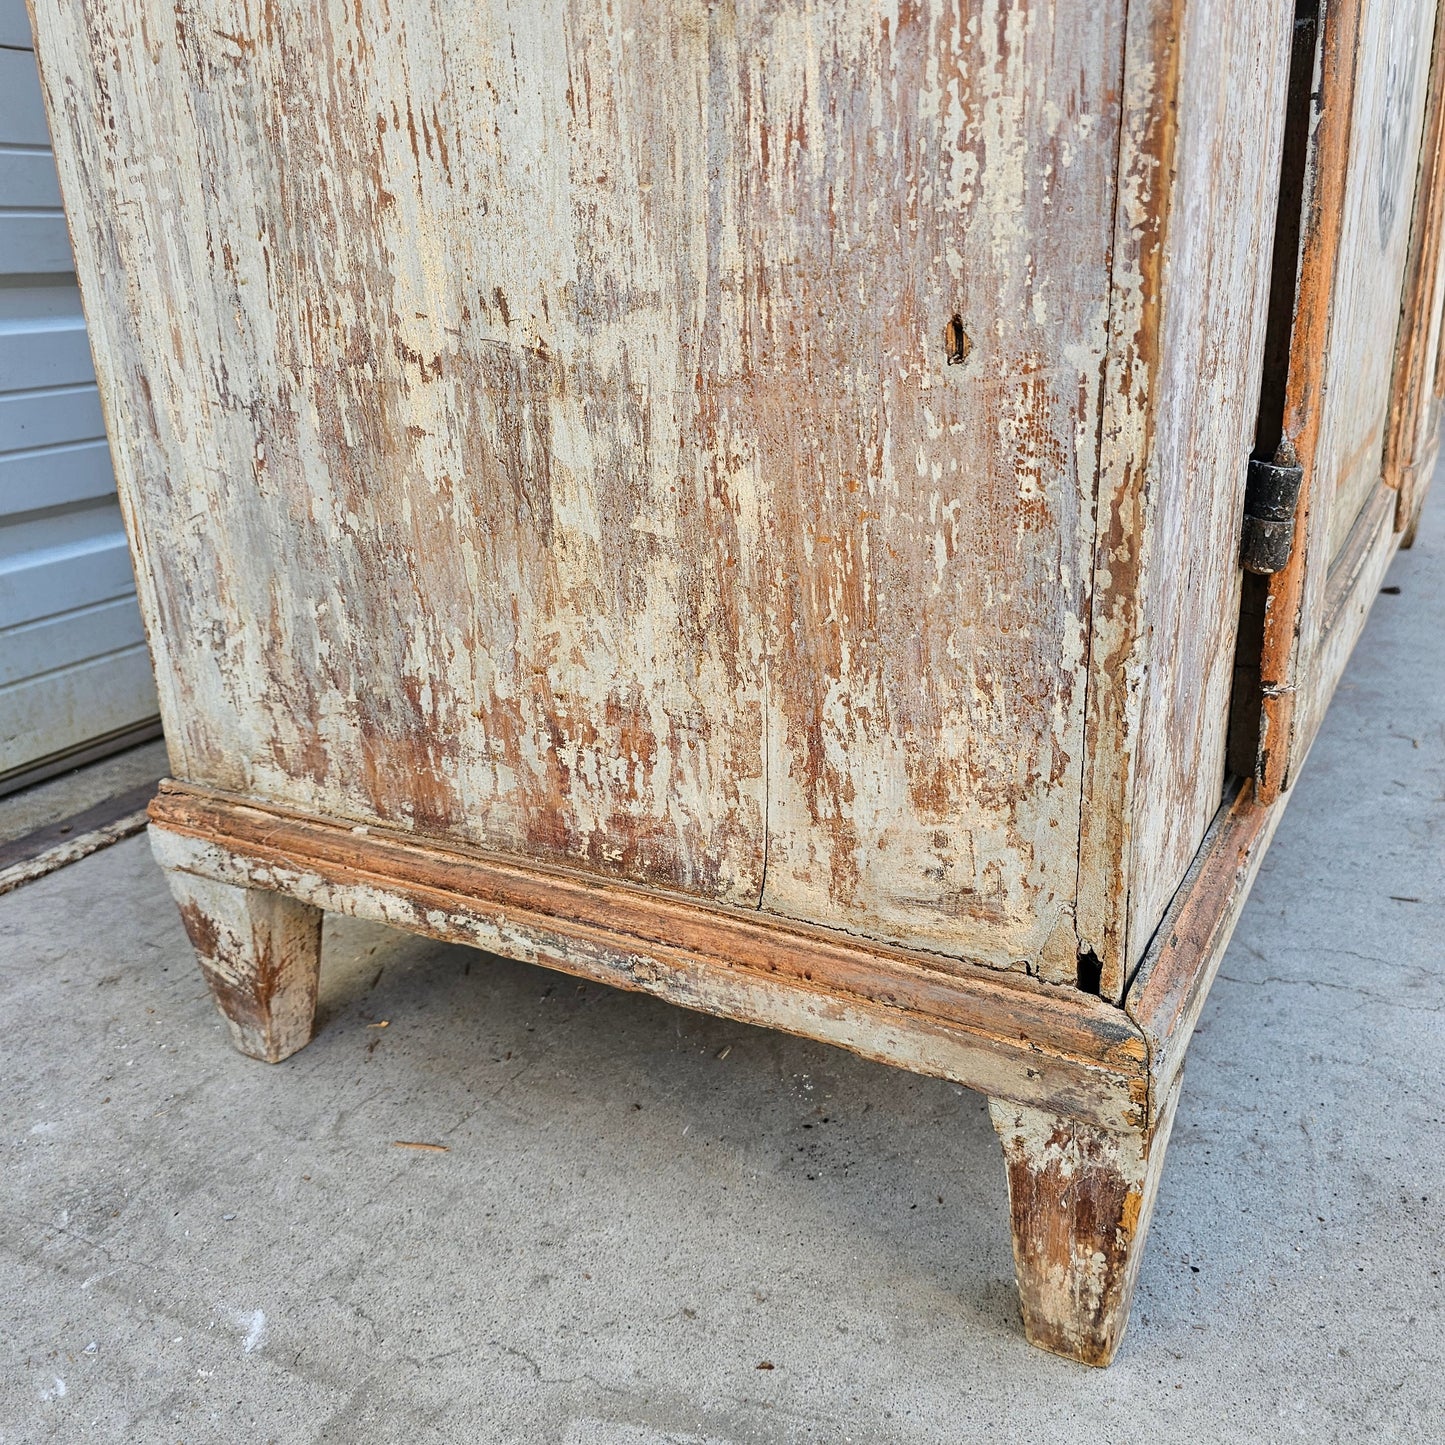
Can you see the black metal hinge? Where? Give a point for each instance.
(1270, 496)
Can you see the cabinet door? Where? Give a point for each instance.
(1367, 204)
(1412, 433)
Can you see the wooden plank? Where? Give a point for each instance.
(454, 482)
(927, 573)
(1168, 991)
(1204, 95)
(1002, 1033)
(67, 840)
(1412, 433)
(1282, 663)
(1312, 656)
(1368, 145)
(1391, 88)
(1234, 65)
(71, 850)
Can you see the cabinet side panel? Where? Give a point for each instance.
(403, 317)
(547, 426)
(1204, 105)
(929, 565)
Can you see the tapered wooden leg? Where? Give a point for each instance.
(261, 954)
(1081, 1198)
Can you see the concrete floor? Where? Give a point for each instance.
(73, 792)
(641, 1206)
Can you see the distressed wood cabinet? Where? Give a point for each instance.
(743, 499)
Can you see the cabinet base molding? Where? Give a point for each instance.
(1082, 1092)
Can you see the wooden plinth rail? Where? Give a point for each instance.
(1003, 1034)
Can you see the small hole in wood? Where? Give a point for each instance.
(1091, 972)
(956, 341)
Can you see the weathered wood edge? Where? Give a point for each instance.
(1320, 238)
(1147, 139)
(1134, 815)
(1414, 484)
(1002, 1034)
(1173, 979)
(1412, 429)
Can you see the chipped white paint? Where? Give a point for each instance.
(919, 787)
(524, 429)
(1203, 112)
(260, 952)
(1392, 73)
(1388, 117)
(1082, 1198)
(1233, 69)
(536, 431)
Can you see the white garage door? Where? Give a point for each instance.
(75, 679)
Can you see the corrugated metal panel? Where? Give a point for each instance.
(14, 24)
(73, 663)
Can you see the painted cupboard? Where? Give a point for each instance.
(841, 515)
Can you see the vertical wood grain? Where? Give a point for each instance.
(929, 556)
(405, 314)
(539, 427)
(1365, 160)
(1391, 85)
(1204, 97)
(1412, 433)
